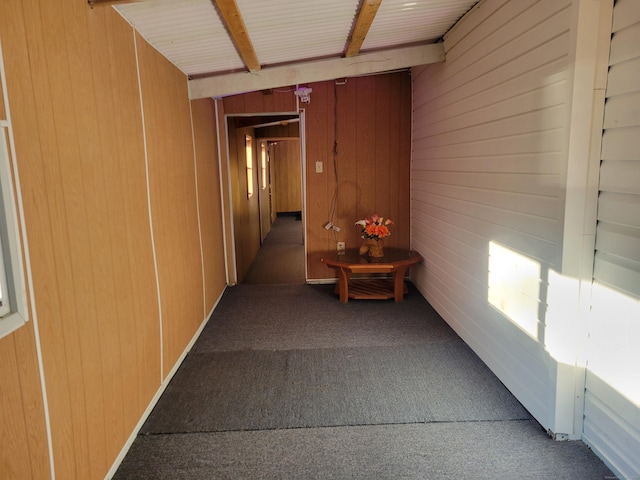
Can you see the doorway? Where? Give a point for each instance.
(266, 174)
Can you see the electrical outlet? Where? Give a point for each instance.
(341, 246)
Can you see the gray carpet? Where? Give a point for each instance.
(435, 451)
(291, 317)
(284, 248)
(254, 390)
(286, 382)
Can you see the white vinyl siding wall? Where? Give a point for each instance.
(490, 135)
(612, 400)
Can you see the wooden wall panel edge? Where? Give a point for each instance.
(172, 176)
(150, 213)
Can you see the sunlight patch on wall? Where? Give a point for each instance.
(514, 287)
(614, 355)
(562, 331)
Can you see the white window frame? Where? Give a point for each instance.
(14, 311)
(5, 304)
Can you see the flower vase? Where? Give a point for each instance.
(372, 248)
(375, 248)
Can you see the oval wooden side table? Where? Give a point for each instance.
(395, 261)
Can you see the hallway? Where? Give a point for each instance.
(280, 259)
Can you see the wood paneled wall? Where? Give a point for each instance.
(23, 437)
(289, 130)
(81, 165)
(287, 182)
(109, 281)
(23, 445)
(172, 185)
(209, 200)
(280, 137)
(368, 119)
(371, 117)
(246, 210)
(281, 100)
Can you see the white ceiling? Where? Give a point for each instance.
(289, 33)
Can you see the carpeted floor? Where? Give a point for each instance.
(282, 247)
(260, 389)
(286, 382)
(461, 451)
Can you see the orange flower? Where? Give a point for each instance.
(375, 227)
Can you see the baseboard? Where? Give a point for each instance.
(321, 281)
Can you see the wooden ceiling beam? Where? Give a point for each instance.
(366, 15)
(234, 23)
(318, 71)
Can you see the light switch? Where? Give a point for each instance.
(319, 167)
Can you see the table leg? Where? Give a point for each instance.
(398, 284)
(343, 284)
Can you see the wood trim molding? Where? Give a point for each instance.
(367, 13)
(365, 64)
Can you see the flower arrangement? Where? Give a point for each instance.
(375, 227)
